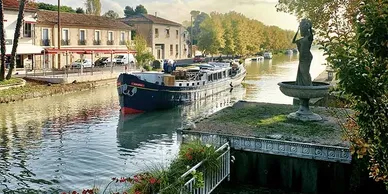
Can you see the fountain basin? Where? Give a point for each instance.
(304, 93)
(317, 90)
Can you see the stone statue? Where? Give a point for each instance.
(303, 77)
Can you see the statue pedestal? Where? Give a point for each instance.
(304, 113)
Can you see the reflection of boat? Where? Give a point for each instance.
(267, 55)
(135, 129)
(147, 91)
(289, 52)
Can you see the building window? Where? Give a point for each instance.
(82, 37)
(133, 34)
(27, 30)
(167, 33)
(177, 34)
(65, 37)
(156, 33)
(45, 37)
(110, 38)
(171, 49)
(97, 37)
(122, 38)
(184, 36)
(176, 50)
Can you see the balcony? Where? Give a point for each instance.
(45, 42)
(123, 42)
(65, 42)
(109, 42)
(97, 42)
(81, 42)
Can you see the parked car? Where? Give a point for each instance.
(199, 59)
(86, 63)
(102, 62)
(267, 55)
(124, 59)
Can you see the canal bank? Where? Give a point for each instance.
(33, 89)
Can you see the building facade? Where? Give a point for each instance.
(167, 39)
(27, 51)
(81, 36)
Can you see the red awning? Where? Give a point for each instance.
(87, 51)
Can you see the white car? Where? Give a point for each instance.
(87, 63)
(267, 55)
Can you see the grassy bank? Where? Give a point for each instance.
(270, 121)
(10, 82)
(34, 89)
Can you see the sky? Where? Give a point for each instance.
(179, 10)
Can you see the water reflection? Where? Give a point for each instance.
(263, 76)
(79, 140)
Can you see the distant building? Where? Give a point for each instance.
(82, 35)
(167, 39)
(26, 50)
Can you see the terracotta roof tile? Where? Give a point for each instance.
(148, 18)
(84, 20)
(14, 5)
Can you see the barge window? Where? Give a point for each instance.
(203, 82)
(180, 84)
(209, 78)
(188, 84)
(197, 83)
(193, 84)
(219, 75)
(224, 72)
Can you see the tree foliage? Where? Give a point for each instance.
(233, 33)
(111, 14)
(140, 9)
(194, 28)
(93, 7)
(129, 11)
(353, 34)
(79, 10)
(143, 56)
(51, 7)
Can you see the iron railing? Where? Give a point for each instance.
(109, 42)
(45, 42)
(211, 179)
(97, 42)
(65, 42)
(81, 42)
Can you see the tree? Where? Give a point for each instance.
(2, 42)
(211, 38)
(19, 22)
(93, 7)
(111, 14)
(128, 11)
(143, 57)
(46, 6)
(140, 9)
(80, 10)
(353, 36)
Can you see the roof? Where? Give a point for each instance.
(14, 5)
(148, 18)
(83, 20)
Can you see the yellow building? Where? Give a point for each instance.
(81, 36)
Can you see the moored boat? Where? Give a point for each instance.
(148, 91)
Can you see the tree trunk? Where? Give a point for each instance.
(19, 22)
(2, 42)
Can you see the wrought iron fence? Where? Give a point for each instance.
(211, 179)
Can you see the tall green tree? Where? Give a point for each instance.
(19, 22)
(93, 7)
(211, 38)
(80, 10)
(140, 9)
(353, 35)
(230, 46)
(128, 11)
(111, 14)
(2, 42)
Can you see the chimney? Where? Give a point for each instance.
(156, 14)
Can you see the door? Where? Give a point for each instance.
(159, 53)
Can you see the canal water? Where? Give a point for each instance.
(76, 141)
